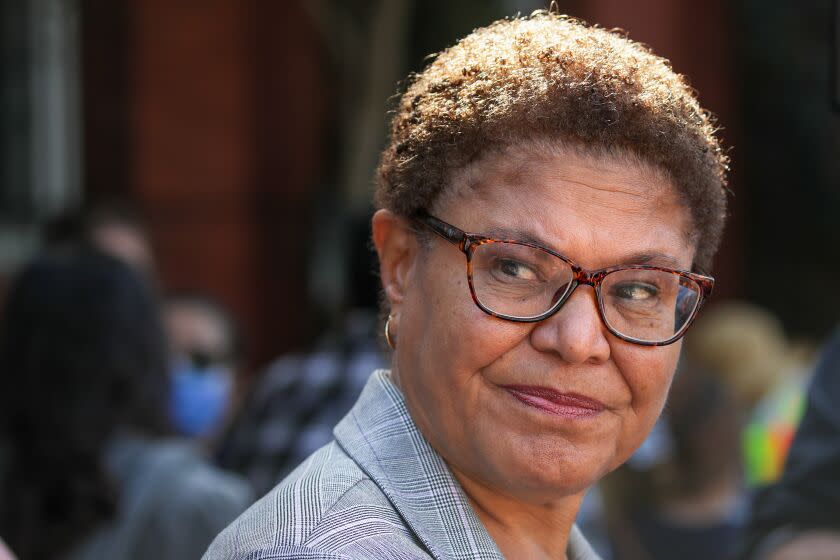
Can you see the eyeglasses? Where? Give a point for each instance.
(526, 283)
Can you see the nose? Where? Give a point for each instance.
(576, 332)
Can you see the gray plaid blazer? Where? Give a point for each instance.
(378, 490)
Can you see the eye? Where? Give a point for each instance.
(515, 269)
(636, 292)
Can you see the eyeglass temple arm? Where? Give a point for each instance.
(448, 232)
(707, 284)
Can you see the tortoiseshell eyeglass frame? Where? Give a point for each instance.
(468, 242)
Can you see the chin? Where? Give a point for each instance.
(557, 471)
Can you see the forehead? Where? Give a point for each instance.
(602, 207)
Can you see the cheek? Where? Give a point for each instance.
(648, 373)
(448, 328)
(452, 341)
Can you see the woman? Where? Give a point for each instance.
(87, 471)
(594, 183)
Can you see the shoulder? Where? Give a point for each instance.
(212, 496)
(326, 508)
(172, 502)
(183, 477)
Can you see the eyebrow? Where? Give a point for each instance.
(653, 258)
(515, 234)
(656, 258)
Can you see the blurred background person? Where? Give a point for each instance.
(203, 338)
(685, 499)
(725, 433)
(115, 227)
(292, 406)
(89, 470)
(746, 348)
(797, 517)
(205, 360)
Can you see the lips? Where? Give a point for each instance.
(554, 402)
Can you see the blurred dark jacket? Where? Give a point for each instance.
(808, 494)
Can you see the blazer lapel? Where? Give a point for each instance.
(381, 437)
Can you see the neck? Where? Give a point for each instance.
(522, 529)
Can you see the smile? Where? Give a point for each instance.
(568, 405)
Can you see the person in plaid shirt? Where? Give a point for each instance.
(296, 402)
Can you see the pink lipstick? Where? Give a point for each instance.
(570, 405)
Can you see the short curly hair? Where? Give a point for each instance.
(549, 76)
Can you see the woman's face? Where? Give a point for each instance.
(456, 365)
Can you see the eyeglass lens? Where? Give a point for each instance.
(524, 282)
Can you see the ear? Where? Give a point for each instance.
(397, 248)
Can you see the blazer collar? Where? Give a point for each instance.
(379, 434)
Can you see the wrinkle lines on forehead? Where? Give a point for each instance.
(642, 194)
(613, 179)
(525, 195)
(529, 161)
(523, 234)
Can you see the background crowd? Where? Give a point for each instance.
(187, 285)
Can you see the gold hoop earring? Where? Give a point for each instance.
(391, 344)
